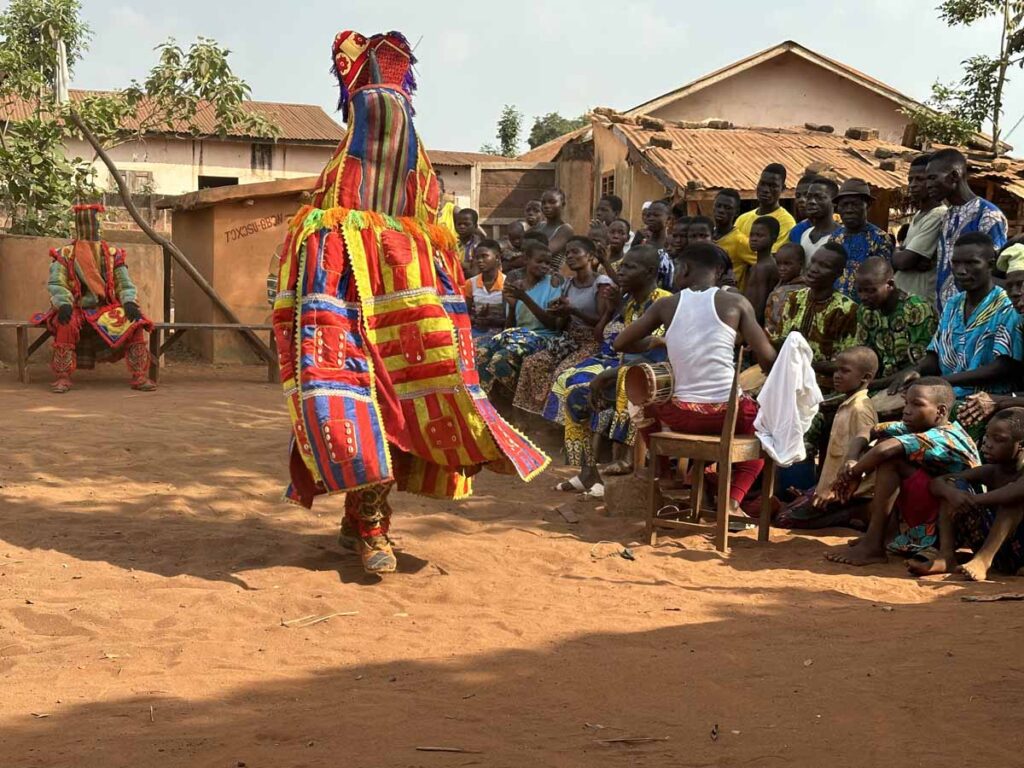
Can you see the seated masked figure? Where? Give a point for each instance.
(372, 329)
(94, 311)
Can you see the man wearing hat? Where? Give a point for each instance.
(856, 234)
(94, 306)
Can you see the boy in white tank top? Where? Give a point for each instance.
(702, 325)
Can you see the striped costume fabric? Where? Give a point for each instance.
(373, 331)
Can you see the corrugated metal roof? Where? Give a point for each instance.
(734, 157)
(297, 122)
(1011, 179)
(444, 157)
(204, 198)
(793, 48)
(549, 150)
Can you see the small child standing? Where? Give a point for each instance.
(512, 247)
(989, 523)
(534, 214)
(820, 507)
(763, 277)
(789, 261)
(907, 456)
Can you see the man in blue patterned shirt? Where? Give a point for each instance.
(947, 180)
(861, 239)
(978, 344)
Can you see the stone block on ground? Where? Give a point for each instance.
(626, 496)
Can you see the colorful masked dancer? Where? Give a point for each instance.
(372, 329)
(94, 310)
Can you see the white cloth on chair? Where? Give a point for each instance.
(788, 402)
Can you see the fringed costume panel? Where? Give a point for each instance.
(373, 333)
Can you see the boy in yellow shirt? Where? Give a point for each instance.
(729, 238)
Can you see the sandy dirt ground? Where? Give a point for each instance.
(147, 567)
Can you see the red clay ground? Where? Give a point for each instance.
(147, 564)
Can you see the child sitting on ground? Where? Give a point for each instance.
(764, 275)
(789, 261)
(989, 523)
(820, 507)
(515, 269)
(484, 297)
(907, 456)
(529, 326)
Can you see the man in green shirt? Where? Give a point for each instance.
(826, 318)
(896, 325)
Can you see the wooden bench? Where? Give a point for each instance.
(170, 333)
(25, 350)
(162, 337)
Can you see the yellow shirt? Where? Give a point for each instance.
(737, 245)
(446, 218)
(856, 417)
(780, 214)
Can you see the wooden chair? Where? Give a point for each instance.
(700, 450)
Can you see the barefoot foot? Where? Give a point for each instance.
(975, 570)
(858, 555)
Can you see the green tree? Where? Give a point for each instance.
(939, 119)
(978, 96)
(551, 126)
(38, 182)
(510, 125)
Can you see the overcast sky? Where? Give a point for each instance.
(541, 55)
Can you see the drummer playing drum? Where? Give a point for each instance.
(702, 325)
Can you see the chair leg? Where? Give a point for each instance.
(652, 490)
(639, 455)
(724, 481)
(154, 354)
(696, 490)
(767, 491)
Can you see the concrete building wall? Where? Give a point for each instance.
(25, 267)
(788, 91)
(176, 164)
(458, 183)
(631, 183)
(575, 178)
(231, 244)
(193, 234)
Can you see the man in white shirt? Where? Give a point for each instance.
(915, 261)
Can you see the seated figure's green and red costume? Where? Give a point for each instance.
(91, 278)
(372, 329)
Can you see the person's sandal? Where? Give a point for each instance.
(574, 485)
(616, 468)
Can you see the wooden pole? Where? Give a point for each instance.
(22, 333)
(255, 341)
